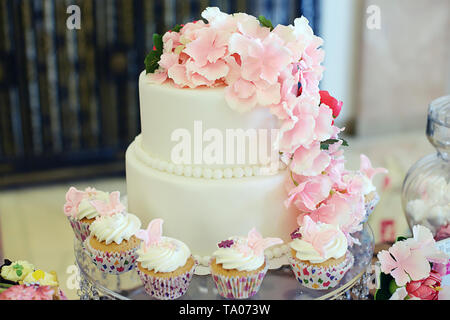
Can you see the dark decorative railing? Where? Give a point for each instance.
(69, 97)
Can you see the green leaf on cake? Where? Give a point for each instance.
(265, 22)
(400, 238)
(325, 144)
(384, 291)
(177, 28)
(152, 59)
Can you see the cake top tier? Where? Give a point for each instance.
(246, 55)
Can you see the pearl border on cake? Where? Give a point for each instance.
(200, 172)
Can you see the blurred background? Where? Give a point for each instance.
(69, 102)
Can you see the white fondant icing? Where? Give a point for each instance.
(165, 108)
(202, 212)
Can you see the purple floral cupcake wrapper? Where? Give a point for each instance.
(239, 287)
(81, 229)
(167, 288)
(112, 262)
(318, 277)
(370, 206)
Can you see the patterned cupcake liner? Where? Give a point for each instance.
(370, 206)
(112, 262)
(239, 287)
(81, 229)
(318, 277)
(167, 288)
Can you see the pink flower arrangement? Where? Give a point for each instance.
(332, 194)
(408, 262)
(32, 292)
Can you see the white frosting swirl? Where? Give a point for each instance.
(118, 227)
(335, 248)
(368, 186)
(166, 256)
(86, 210)
(233, 258)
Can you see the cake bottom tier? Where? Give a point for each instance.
(201, 212)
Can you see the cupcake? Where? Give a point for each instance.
(238, 267)
(14, 272)
(165, 265)
(20, 280)
(319, 255)
(370, 201)
(112, 243)
(80, 211)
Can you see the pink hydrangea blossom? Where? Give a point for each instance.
(31, 292)
(409, 260)
(310, 161)
(309, 192)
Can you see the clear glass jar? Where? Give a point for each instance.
(426, 188)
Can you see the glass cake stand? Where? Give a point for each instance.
(279, 284)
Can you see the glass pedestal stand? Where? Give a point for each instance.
(279, 284)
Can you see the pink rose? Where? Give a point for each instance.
(443, 233)
(426, 289)
(331, 102)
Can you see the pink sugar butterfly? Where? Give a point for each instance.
(317, 237)
(258, 244)
(152, 235)
(367, 169)
(73, 199)
(111, 207)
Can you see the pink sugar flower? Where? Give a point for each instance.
(157, 77)
(309, 193)
(323, 129)
(403, 263)
(73, 200)
(310, 161)
(209, 46)
(241, 95)
(443, 233)
(260, 59)
(298, 130)
(25, 292)
(422, 242)
(211, 71)
(426, 289)
(334, 104)
(343, 210)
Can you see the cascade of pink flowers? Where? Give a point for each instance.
(278, 69)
